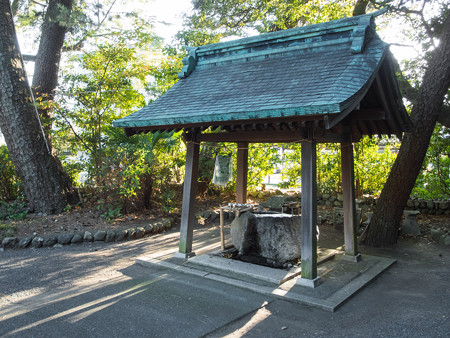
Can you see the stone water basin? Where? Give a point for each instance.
(272, 236)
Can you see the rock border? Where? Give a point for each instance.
(59, 240)
(334, 199)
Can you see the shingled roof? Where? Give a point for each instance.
(336, 74)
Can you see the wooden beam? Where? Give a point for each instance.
(392, 119)
(238, 125)
(348, 187)
(357, 133)
(367, 114)
(362, 125)
(241, 172)
(309, 210)
(400, 121)
(266, 137)
(189, 192)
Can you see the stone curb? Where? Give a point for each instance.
(116, 235)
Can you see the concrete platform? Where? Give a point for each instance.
(340, 278)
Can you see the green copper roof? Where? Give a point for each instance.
(318, 70)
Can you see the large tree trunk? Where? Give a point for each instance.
(41, 177)
(46, 67)
(384, 225)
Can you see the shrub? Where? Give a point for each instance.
(10, 186)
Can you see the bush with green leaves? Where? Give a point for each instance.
(328, 167)
(434, 180)
(144, 164)
(102, 92)
(15, 210)
(10, 186)
(262, 161)
(373, 159)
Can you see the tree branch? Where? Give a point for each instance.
(74, 132)
(360, 7)
(77, 46)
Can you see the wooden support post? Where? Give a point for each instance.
(241, 172)
(188, 208)
(348, 189)
(309, 216)
(222, 235)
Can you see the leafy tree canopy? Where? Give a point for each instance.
(214, 20)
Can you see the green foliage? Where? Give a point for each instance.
(373, 159)
(10, 186)
(163, 72)
(194, 37)
(263, 161)
(107, 83)
(237, 16)
(419, 25)
(87, 22)
(291, 166)
(168, 200)
(329, 167)
(208, 153)
(103, 93)
(15, 210)
(111, 212)
(434, 179)
(102, 85)
(207, 158)
(157, 157)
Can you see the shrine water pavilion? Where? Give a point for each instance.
(329, 82)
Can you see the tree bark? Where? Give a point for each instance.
(360, 7)
(48, 57)
(38, 170)
(384, 225)
(147, 189)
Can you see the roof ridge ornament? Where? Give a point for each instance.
(362, 33)
(189, 62)
(365, 30)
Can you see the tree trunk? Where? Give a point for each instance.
(147, 189)
(360, 7)
(384, 225)
(46, 67)
(38, 170)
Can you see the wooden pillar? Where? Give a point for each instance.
(241, 172)
(188, 208)
(348, 189)
(309, 216)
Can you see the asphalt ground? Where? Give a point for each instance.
(97, 290)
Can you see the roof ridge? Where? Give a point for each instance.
(357, 31)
